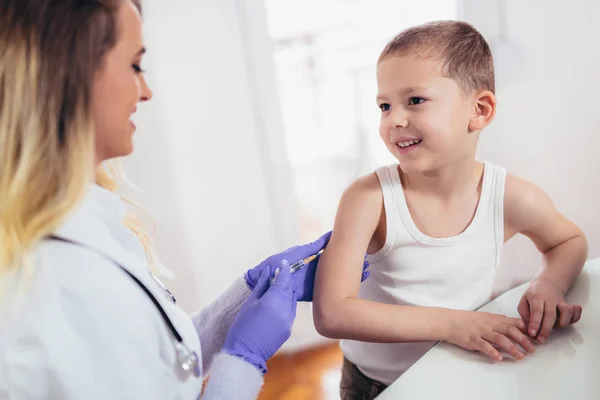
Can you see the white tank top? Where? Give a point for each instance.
(415, 269)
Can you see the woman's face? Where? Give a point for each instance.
(118, 87)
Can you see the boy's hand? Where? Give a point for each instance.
(483, 332)
(543, 307)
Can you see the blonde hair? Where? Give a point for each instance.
(48, 57)
(109, 176)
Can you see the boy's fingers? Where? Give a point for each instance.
(506, 344)
(536, 312)
(565, 315)
(520, 338)
(523, 309)
(489, 350)
(548, 322)
(519, 323)
(576, 314)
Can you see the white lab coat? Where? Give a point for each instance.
(82, 328)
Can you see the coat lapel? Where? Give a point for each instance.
(96, 225)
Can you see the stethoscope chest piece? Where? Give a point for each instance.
(187, 359)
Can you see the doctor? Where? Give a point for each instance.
(81, 317)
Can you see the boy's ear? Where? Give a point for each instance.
(484, 110)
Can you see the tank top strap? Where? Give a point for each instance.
(497, 179)
(388, 180)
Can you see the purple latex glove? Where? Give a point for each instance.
(264, 321)
(303, 281)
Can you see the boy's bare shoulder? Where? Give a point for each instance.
(520, 191)
(522, 196)
(530, 211)
(364, 188)
(525, 205)
(359, 211)
(527, 208)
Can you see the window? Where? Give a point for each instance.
(325, 57)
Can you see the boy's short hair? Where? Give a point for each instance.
(466, 55)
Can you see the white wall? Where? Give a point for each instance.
(201, 160)
(547, 128)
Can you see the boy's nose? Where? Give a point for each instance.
(398, 119)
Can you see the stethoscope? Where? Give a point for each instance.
(186, 358)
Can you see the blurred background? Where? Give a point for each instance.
(264, 112)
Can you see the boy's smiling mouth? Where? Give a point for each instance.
(407, 144)
(404, 144)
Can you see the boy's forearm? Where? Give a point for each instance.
(369, 321)
(563, 263)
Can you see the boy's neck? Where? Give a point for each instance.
(449, 181)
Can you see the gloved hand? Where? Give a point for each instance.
(264, 321)
(303, 280)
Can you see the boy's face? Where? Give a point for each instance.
(424, 116)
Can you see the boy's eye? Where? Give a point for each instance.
(413, 101)
(385, 107)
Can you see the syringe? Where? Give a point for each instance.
(297, 265)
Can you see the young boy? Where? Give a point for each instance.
(434, 223)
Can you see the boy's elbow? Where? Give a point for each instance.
(583, 249)
(326, 318)
(576, 245)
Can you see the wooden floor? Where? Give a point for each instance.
(308, 375)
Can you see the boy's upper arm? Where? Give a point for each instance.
(530, 211)
(340, 265)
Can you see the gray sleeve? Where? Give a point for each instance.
(231, 378)
(214, 321)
